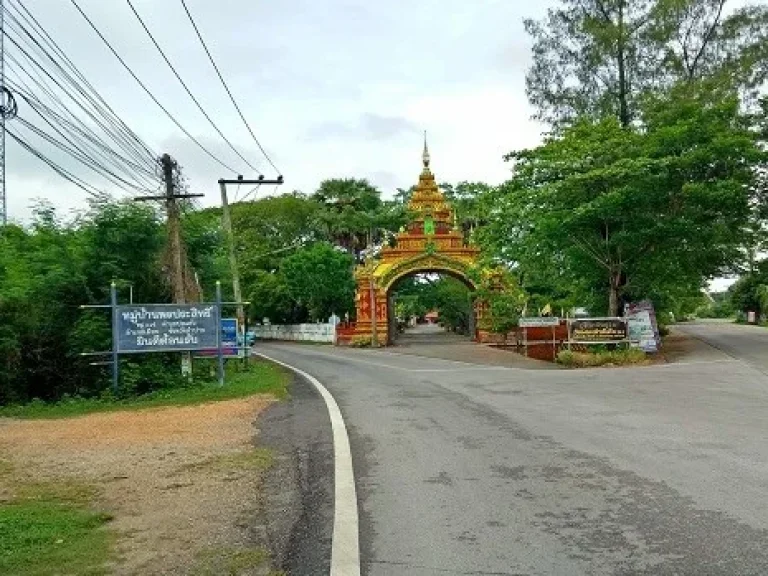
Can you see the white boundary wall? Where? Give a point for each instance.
(296, 332)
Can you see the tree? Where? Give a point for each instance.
(320, 278)
(353, 215)
(51, 268)
(598, 58)
(629, 212)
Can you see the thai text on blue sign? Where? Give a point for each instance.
(166, 327)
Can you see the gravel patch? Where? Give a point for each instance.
(183, 483)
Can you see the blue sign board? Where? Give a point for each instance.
(230, 345)
(166, 328)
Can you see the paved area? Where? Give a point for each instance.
(434, 342)
(740, 341)
(494, 470)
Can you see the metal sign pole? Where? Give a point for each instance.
(115, 340)
(219, 351)
(246, 345)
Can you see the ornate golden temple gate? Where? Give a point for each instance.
(431, 242)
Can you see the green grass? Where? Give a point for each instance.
(51, 528)
(261, 378)
(253, 459)
(225, 561)
(632, 356)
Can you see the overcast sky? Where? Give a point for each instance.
(333, 88)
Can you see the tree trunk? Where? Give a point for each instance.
(614, 283)
(624, 116)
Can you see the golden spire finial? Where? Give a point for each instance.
(425, 155)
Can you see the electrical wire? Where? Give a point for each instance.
(47, 73)
(116, 128)
(78, 154)
(229, 92)
(30, 19)
(58, 122)
(189, 92)
(147, 90)
(91, 190)
(103, 159)
(95, 148)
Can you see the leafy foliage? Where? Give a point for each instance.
(320, 279)
(616, 213)
(599, 58)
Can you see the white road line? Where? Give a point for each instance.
(345, 550)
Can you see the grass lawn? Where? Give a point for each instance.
(261, 378)
(48, 528)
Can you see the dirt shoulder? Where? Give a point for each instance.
(183, 484)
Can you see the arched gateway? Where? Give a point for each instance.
(431, 242)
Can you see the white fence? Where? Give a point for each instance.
(297, 332)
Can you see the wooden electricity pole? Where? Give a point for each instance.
(226, 221)
(171, 198)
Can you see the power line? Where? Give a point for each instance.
(51, 116)
(81, 156)
(92, 190)
(147, 90)
(231, 97)
(56, 48)
(55, 81)
(111, 125)
(88, 139)
(189, 92)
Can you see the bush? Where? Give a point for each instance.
(361, 342)
(572, 359)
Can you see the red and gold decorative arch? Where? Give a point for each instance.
(431, 242)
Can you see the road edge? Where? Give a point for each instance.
(345, 549)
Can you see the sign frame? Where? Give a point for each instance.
(624, 340)
(115, 353)
(209, 343)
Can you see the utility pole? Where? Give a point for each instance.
(226, 221)
(3, 196)
(8, 111)
(170, 171)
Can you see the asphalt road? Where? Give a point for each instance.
(744, 342)
(485, 470)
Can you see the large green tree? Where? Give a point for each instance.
(622, 212)
(320, 278)
(354, 216)
(600, 57)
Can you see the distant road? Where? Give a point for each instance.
(743, 342)
(481, 469)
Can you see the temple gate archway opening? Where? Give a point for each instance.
(431, 243)
(431, 307)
